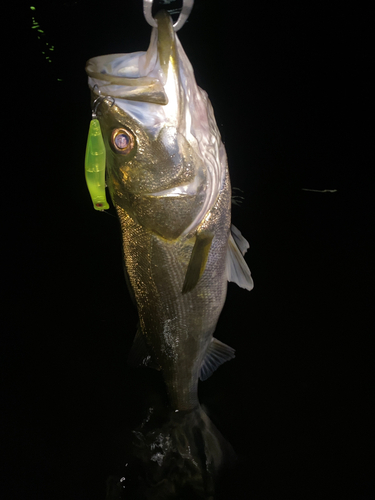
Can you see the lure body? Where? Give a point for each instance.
(95, 161)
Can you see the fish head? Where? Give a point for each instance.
(162, 142)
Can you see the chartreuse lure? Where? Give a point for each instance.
(95, 165)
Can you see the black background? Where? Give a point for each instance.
(289, 83)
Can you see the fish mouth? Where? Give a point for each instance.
(139, 76)
(162, 81)
(131, 89)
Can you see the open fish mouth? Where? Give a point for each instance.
(157, 89)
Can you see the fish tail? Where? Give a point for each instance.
(183, 455)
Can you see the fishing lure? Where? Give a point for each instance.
(95, 159)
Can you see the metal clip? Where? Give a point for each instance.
(187, 5)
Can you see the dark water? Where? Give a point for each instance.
(289, 86)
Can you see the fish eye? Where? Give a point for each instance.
(122, 141)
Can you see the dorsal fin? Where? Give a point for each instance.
(217, 353)
(198, 260)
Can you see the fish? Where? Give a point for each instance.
(167, 175)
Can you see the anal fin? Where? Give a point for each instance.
(217, 353)
(198, 260)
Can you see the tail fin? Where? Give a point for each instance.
(181, 458)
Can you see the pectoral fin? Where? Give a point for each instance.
(217, 353)
(236, 267)
(198, 260)
(140, 354)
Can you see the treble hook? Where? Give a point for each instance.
(187, 5)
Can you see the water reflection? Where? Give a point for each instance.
(174, 455)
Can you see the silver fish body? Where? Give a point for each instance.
(168, 179)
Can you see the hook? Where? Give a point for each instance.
(100, 99)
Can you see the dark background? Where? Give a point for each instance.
(290, 87)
